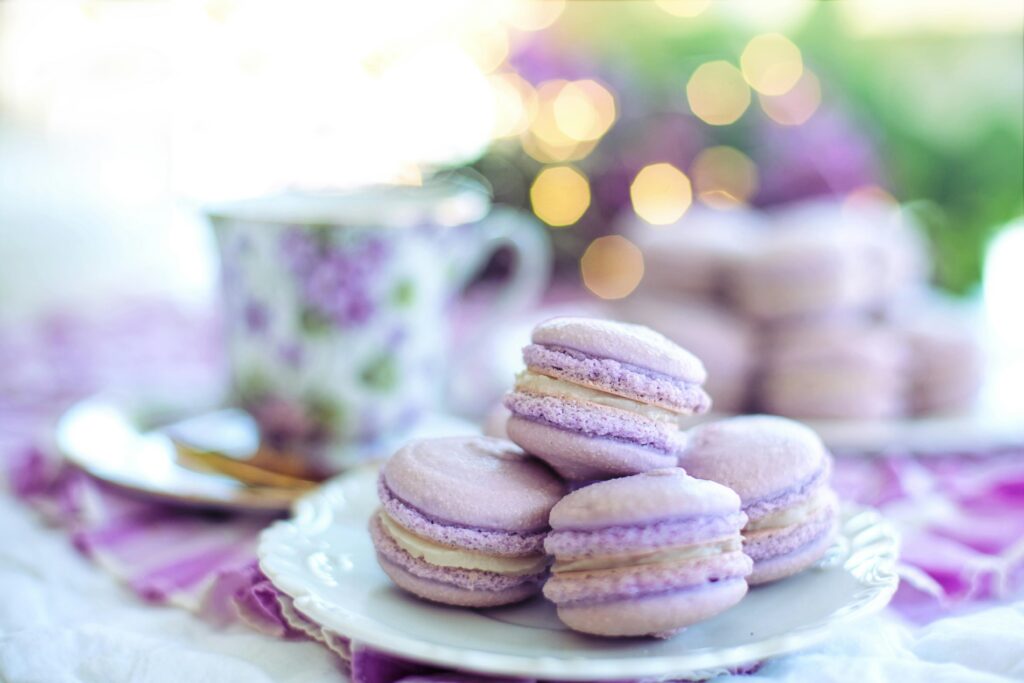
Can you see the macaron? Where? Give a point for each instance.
(780, 470)
(601, 399)
(647, 554)
(806, 265)
(839, 368)
(695, 256)
(724, 341)
(463, 520)
(947, 364)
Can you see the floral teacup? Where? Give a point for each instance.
(335, 307)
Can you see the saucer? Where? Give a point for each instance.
(324, 560)
(205, 461)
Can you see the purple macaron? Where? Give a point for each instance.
(646, 555)
(463, 520)
(780, 469)
(600, 399)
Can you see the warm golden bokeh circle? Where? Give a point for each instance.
(717, 93)
(660, 193)
(771, 64)
(560, 195)
(724, 177)
(612, 267)
(584, 110)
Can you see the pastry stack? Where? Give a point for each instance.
(805, 314)
(629, 525)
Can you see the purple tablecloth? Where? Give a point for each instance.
(959, 514)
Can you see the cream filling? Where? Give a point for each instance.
(662, 556)
(794, 515)
(443, 556)
(535, 383)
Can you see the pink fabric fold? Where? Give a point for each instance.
(961, 516)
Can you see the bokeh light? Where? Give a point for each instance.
(546, 140)
(683, 8)
(724, 177)
(612, 267)
(515, 104)
(718, 93)
(661, 194)
(560, 195)
(797, 105)
(584, 110)
(534, 15)
(771, 64)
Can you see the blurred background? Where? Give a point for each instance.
(118, 120)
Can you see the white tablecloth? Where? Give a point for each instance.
(64, 621)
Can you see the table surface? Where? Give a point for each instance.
(63, 620)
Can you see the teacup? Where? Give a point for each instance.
(335, 307)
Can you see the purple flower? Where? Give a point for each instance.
(257, 317)
(336, 285)
(291, 353)
(827, 155)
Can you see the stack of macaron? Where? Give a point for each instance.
(833, 368)
(600, 399)
(946, 364)
(811, 299)
(628, 525)
(725, 342)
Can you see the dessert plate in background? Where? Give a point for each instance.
(324, 560)
(204, 461)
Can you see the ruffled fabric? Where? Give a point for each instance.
(959, 514)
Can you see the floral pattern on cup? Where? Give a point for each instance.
(337, 334)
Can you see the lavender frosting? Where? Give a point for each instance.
(468, 579)
(596, 421)
(502, 543)
(616, 377)
(574, 544)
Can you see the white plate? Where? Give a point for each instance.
(324, 560)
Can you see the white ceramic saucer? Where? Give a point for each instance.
(108, 441)
(324, 560)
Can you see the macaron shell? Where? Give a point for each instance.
(655, 615)
(572, 544)
(765, 544)
(641, 580)
(757, 456)
(633, 344)
(782, 566)
(490, 541)
(474, 481)
(660, 494)
(596, 420)
(578, 457)
(449, 594)
(444, 584)
(617, 378)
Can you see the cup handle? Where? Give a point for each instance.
(531, 248)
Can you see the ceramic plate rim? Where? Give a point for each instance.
(274, 555)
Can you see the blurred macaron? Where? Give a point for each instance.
(695, 256)
(724, 341)
(838, 368)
